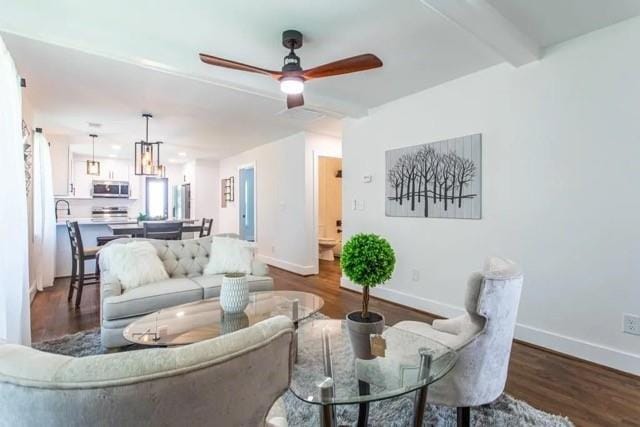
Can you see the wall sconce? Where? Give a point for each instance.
(228, 185)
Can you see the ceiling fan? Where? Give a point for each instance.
(292, 76)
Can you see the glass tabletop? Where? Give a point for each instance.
(201, 320)
(328, 373)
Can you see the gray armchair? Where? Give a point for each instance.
(232, 380)
(482, 336)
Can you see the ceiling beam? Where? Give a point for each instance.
(488, 25)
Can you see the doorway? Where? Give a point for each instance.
(157, 198)
(329, 211)
(247, 208)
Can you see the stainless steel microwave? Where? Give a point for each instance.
(110, 189)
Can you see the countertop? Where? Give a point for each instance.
(112, 221)
(114, 199)
(96, 221)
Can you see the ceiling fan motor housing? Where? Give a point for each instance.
(292, 39)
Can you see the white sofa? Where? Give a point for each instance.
(231, 380)
(184, 261)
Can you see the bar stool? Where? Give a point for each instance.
(163, 230)
(207, 225)
(80, 254)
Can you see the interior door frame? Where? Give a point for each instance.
(315, 213)
(251, 165)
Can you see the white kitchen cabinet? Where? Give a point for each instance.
(135, 184)
(114, 170)
(110, 170)
(61, 167)
(81, 181)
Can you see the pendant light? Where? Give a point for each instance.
(93, 167)
(147, 154)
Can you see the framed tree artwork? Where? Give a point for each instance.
(440, 179)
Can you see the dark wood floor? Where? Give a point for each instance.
(590, 395)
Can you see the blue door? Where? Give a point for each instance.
(247, 205)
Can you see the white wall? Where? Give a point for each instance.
(560, 192)
(285, 198)
(205, 189)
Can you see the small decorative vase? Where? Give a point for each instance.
(234, 294)
(360, 331)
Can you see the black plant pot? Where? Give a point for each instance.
(360, 331)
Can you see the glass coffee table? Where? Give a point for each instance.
(201, 320)
(327, 372)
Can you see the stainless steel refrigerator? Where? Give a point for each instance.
(182, 201)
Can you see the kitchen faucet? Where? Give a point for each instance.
(68, 208)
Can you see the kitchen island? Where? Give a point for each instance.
(90, 230)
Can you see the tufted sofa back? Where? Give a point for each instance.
(181, 258)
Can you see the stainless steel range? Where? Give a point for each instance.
(109, 213)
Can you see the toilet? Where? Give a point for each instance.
(325, 248)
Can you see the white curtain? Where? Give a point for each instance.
(44, 220)
(15, 326)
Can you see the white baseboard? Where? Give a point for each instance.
(596, 353)
(304, 270)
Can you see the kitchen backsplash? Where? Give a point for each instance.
(81, 208)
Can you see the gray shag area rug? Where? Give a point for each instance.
(505, 411)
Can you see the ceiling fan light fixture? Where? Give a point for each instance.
(292, 76)
(292, 85)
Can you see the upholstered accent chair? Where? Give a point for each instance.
(184, 261)
(232, 380)
(482, 336)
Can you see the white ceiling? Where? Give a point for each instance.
(70, 89)
(549, 22)
(107, 62)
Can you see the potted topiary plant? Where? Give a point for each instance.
(142, 217)
(367, 260)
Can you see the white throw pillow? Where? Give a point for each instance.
(134, 264)
(229, 256)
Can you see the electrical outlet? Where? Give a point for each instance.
(631, 324)
(415, 275)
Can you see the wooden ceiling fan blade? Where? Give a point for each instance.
(294, 101)
(226, 63)
(344, 66)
